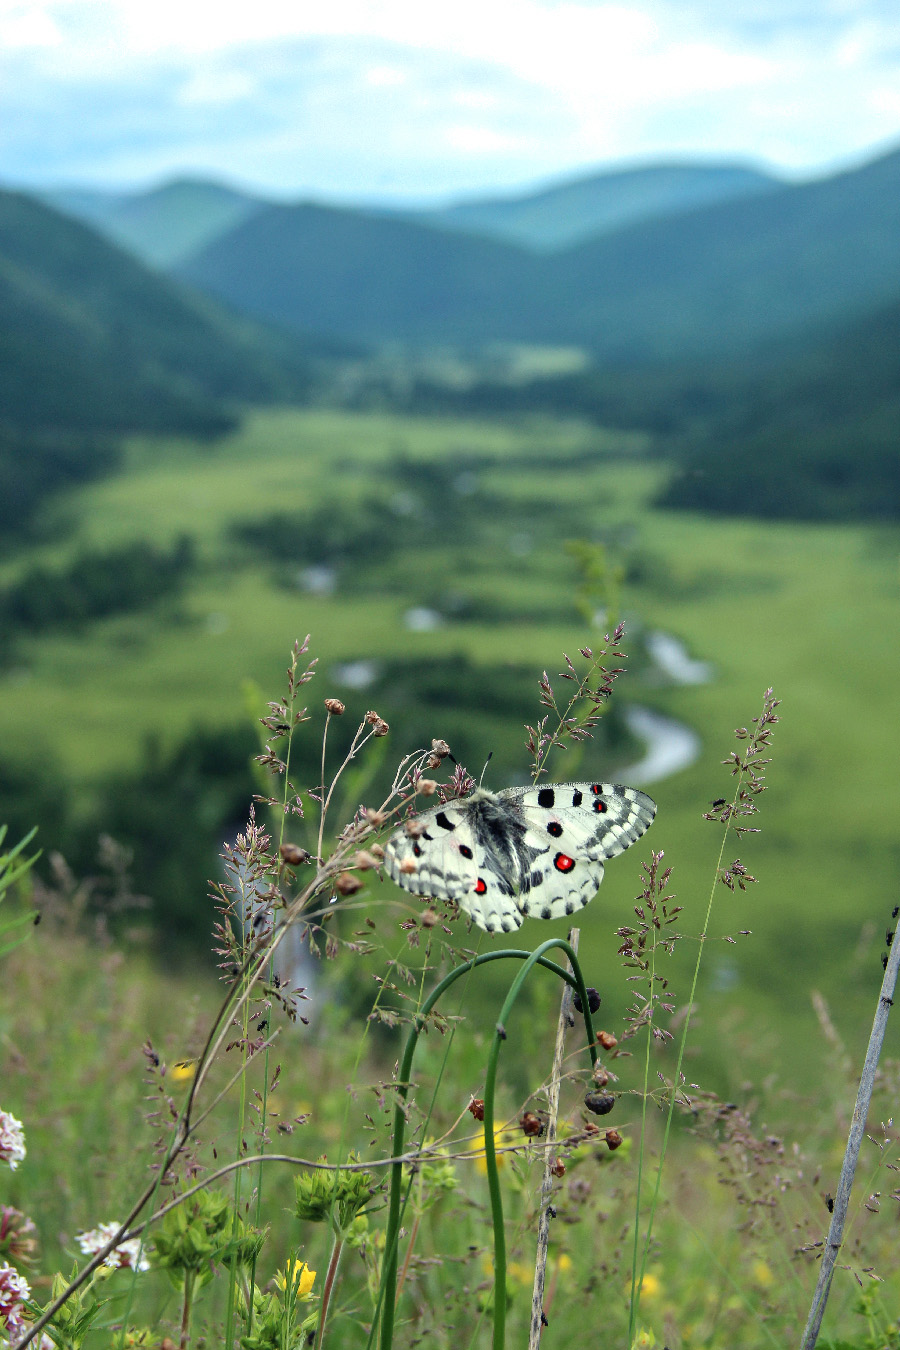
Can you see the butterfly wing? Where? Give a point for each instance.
(527, 851)
(575, 827)
(451, 853)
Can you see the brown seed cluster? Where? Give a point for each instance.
(293, 854)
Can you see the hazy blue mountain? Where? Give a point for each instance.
(369, 276)
(92, 339)
(162, 225)
(737, 274)
(566, 213)
(725, 276)
(166, 224)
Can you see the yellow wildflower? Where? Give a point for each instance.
(477, 1150)
(183, 1071)
(762, 1275)
(651, 1286)
(298, 1275)
(520, 1273)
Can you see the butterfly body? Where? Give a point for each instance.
(523, 852)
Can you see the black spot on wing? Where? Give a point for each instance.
(444, 821)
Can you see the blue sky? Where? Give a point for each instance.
(406, 100)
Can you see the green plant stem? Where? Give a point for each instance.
(328, 1287)
(388, 1291)
(189, 1278)
(547, 1177)
(682, 1044)
(637, 1280)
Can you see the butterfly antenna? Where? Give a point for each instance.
(484, 770)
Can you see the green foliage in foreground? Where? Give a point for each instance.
(742, 1207)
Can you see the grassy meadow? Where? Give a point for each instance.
(482, 512)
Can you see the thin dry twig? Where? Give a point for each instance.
(851, 1156)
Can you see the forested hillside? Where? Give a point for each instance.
(727, 277)
(93, 344)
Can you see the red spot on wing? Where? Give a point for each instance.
(563, 863)
(599, 805)
(480, 886)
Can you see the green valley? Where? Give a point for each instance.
(808, 609)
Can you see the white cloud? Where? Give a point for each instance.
(27, 25)
(216, 87)
(385, 77)
(397, 97)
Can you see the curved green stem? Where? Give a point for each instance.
(388, 1290)
(490, 1152)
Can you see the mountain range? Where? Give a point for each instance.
(722, 277)
(93, 340)
(165, 225)
(761, 329)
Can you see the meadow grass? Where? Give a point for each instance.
(722, 1268)
(809, 609)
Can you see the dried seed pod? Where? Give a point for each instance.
(600, 1103)
(593, 1000)
(559, 1168)
(293, 854)
(532, 1125)
(440, 748)
(607, 1040)
(365, 860)
(613, 1140)
(427, 787)
(601, 1076)
(334, 706)
(476, 1106)
(347, 884)
(377, 851)
(428, 918)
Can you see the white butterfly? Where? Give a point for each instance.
(533, 852)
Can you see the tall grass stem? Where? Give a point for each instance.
(543, 1242)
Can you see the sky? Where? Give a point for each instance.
(405, 100)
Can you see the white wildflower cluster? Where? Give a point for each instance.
(126, 1255)
(14, 1290)
(12, 1140)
